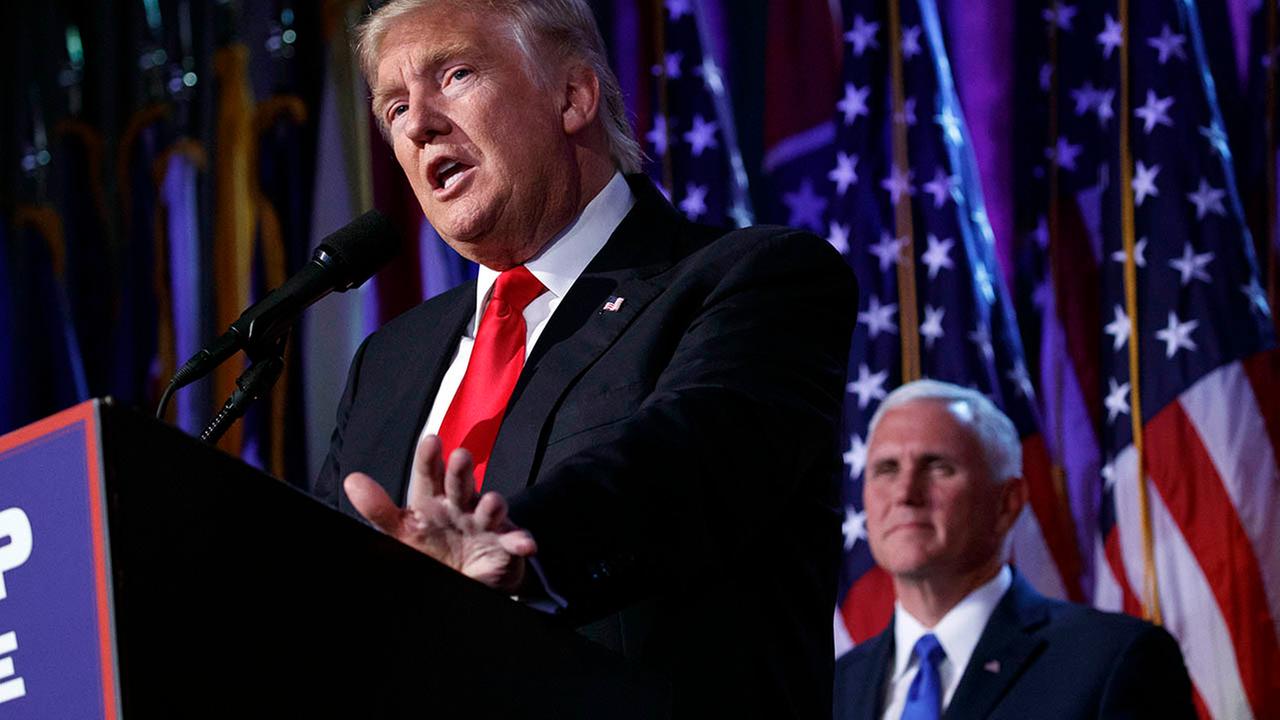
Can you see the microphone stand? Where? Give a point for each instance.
(251, 386)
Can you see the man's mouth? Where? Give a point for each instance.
(447, 172)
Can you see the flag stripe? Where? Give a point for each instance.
(868, 605)
(1193, 491)
(1264, 377)
(1187, 599)
(1033, 558)
(1050, 516)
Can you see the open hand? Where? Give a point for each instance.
(444, 518)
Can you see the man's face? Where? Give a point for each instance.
(933, 510)
(485, 148)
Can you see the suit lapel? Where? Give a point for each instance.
(867, 702)
(581, 330)
(1008, 644)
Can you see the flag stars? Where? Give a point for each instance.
(879, 318)
(854, 527)
(1060, 15)
(950, 124)
(938, 255)
(910, 42)
(856, 456)
(1177, 335)
(1154, 112)
(711, 76)
(898, 183)
(1144, 182)
(844, 173)
(1021, 379)
(701, 136)
(887, 250)
(806, 207)
(670, 66)
(931, 329)
(838, 237)
(1191, 265)
(1046, 76)
(1117, 401)
(1041, 233)
(1102, 106)
(1118, 329)
(1108, 473)
(1257, 297)
(941, 187)
(869, 386)
(1217, 139)
(908, 115)
(657, 135)
(1086, 97)
(862, 35)
(1111, 37)
(1169, 44)
(678, 8)
(982, 338)
(1207, 199)
(694, 203)
(1064, 153)
(1139, 253)
(854, 102)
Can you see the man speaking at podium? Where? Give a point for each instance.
(628, 420)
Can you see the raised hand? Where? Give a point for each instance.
(444, 518)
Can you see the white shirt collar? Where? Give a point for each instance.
(559, 263)
(958, 631)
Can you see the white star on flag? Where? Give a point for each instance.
(1118, 329)
(694, 203)
(982, 338)
(869, 386)
(898, 182)
(657, 135)
(1207, 199)
(806, 207)
(678, 8)
(1103, 106)
(1191, 265)
(854, 527)
(838, 237)
(711, 76)
(1177, 335)
(1217, 139)
(862, 35)
(938, 255)
(854, 102)
(1257, 296)
(1139, 254)
(1111, 37)
(1169, 43)
(1154, 112)
(670, 65)
(701, 136)
(845, 172)
(1064, 153)
(1021, 380)
(941, 187)
(1060, 15)
(931, 329)
(1086, 96)
(1117, 401)
(887, 250)
(1108, 473)
(950, 124)
(879, 318)
(910, 42)
(908, 115)
(856, 456)
(1144, 182)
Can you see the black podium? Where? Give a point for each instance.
(231, 594)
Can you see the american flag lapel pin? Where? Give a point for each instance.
(992, 666)
(612, 304)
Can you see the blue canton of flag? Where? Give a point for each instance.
(690, 140)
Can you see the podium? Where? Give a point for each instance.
(144, 573)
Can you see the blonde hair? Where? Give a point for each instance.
(564, 29)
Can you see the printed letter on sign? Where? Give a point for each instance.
(14, 526)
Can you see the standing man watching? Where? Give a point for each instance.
(969, 637)
(627, 419)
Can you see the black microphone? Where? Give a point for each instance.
(342, 261)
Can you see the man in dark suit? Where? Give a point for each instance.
(650, 406)
(969, 637)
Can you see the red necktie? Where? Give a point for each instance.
(497, 357)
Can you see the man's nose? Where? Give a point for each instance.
(912, 486)
(425, 122)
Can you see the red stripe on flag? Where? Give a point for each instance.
(1076, 280)
(1188, 481)
(1115, 560)
(868, 605)
(1202, 710)
(1263, 370)
(1055, 524)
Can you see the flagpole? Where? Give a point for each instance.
(1151, 588)
(908, 315)
(1056, 471)
(1270, 161)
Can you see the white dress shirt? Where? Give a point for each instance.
(957, 632)
(557, 266)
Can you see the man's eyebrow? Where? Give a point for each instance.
(425, 62)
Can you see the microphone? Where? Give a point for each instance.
(342, 261)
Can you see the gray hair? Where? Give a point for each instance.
(994, 430)
(565, 28)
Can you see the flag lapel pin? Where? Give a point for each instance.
(992, 666)
(613, 304)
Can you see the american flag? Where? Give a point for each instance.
(1119, 107)
(896, 192)
(689, 136)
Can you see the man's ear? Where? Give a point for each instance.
(1013, 497)
(581, 98)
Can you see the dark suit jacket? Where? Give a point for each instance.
(676, 460)
(1041, 658)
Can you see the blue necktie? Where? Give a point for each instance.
(924, 698)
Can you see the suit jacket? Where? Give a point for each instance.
(676, 459)
(1040, 658)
